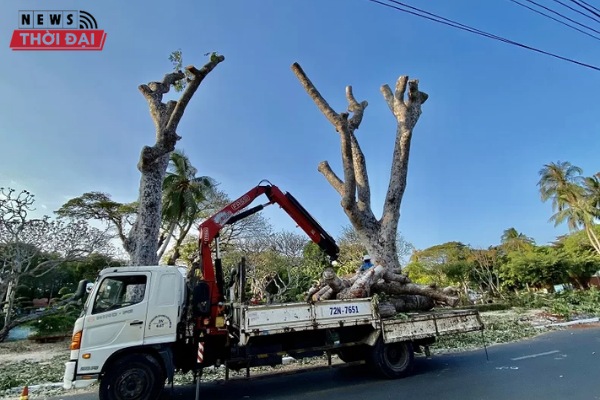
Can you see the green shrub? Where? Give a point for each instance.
(529, 299)
(576, 303)
(57, 324)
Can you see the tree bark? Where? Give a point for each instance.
(378, 235)
(142, 241)
(407, 303)
(395, 288)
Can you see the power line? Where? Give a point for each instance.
(555, 19)
(586, 6)
(559, 14)
(589, 5)
(458, 25)
(576, 10)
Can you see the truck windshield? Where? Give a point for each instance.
(119, 291)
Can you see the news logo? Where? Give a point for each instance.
(57, 30)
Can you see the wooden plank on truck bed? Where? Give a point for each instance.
(430, 324)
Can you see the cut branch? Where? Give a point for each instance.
(314, 94)
(199, 75)
(395, 288)
(331, 177)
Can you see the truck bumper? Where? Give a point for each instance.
(70, 381)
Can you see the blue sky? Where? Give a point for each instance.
(74, 122)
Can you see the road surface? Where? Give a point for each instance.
(557, 365)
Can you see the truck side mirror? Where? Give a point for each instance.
(81, 289)
(201, 300)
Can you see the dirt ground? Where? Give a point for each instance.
(31, 351)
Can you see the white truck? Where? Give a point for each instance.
(141, 325)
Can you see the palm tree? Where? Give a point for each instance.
(574, 199)
(513, 240)
(183, 192)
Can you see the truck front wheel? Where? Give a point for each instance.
(135, 376)
(392, 360)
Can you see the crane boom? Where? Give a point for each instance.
(231, 213)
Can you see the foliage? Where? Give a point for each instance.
(499, 328)
(575, 199)
(34, 247)
(567, 304)
(19, 374)
(529, 300)
(513, 240)
(100, 206)
(176, 58)
(444, 264)
(58, 324)
(571, 303)
(186, 198)
(540, 267)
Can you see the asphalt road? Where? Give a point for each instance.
(556, 365)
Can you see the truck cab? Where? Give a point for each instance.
(130, 310)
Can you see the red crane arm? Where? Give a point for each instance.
(210, 228)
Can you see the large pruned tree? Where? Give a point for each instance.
(142, 241)
(379, 235)
(35, 246)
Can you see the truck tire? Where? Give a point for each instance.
(392, 360)
(133, 377)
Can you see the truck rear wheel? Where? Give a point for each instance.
(392, 360)
(136, 376)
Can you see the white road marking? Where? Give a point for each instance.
(536, 355)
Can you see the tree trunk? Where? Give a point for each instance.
(166, 240)
(401, 304)
(177, 248)
(378, 279)
(411, 288)
(147, 225)
(142, 241)
(10, 300)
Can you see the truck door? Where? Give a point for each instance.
(118, 313)
(164, 306)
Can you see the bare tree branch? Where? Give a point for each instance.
(349, 196)
(199, 75)
(314, 94)
(407, 115)
(331, 177)
(388, 96)
(358, 158)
